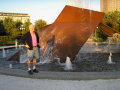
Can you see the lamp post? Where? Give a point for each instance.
(96, 32)
(22, 28)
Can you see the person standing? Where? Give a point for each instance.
(31, 40)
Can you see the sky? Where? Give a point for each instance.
(47, 10)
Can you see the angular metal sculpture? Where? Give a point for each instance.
(107, 30)
(71, 29)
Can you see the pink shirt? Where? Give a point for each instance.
(34, 39)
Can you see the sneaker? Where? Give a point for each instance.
(30, 72)
(35, 71)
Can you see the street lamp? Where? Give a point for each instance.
(96, 32)
(22, 28)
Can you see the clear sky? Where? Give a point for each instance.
(47, 10)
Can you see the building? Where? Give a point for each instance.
(109, 5)
(79, 3)
(16, 16)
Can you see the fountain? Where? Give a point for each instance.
(113, 46)
(4, 53)
(80, 3)
(110, 59)
(114, 43)
(68, 64)
(10, 66)
(23, 55)
(65, 44)
(71, 30)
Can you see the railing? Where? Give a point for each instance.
(18, 46)
(12, 46)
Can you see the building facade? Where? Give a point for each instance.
(16, 16)
(79, 3)
(109, 5)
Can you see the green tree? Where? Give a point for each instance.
(112, 19)
(10, 27)
(2, 31)
(26, 26)
(99, 35)
(40, 23)
(18, 26)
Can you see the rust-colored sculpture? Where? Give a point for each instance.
(107, 30)
(71, 29)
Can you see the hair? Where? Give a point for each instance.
(30, 26)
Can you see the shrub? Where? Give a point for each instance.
(115, 39)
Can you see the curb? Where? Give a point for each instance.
(61, 75)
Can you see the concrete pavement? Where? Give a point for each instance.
(61, 75)
(20, 83)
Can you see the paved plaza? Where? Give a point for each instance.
(19, 83)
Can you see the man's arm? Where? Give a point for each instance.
(37, 37)
(24, 41)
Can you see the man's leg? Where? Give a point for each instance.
(36, 56)
(29, 64)
(34, 63)
(29, 67)
(29, 61)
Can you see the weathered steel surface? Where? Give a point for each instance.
(72, 28)
(107, 30)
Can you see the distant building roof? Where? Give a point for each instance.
(23, 17)
(13, 14)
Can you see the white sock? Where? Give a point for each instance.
(34, 67)
(29, 69)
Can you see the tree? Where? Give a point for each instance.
(2, 31)
(18, 25)
(10, 27)
(26, 26)
(99, 35)
(112, 19)
(40, 23)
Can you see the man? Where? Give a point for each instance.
(31, 40)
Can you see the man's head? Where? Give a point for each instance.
(31, 28)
